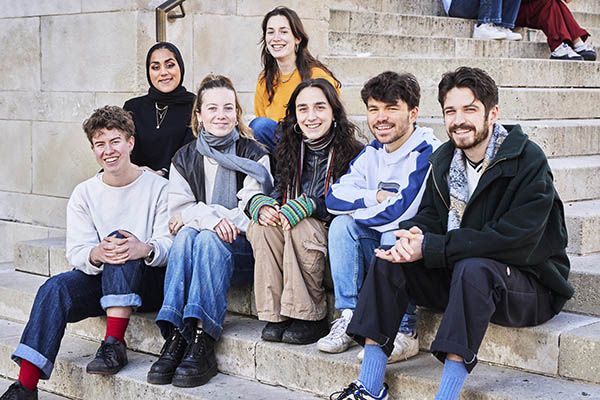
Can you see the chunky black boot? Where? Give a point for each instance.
(161, 372)
(305, 332)
(110, 358)
(199, 362)
(273, 331)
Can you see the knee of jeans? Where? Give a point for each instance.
(117, 234)
(262, 127)
(53, 288)
(341, 227)
(206, 239)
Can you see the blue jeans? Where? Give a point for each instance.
(199, 273)
(73, 296)
(499, 12)
(265, 132)
(351, 251)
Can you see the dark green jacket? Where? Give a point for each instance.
(515, 216)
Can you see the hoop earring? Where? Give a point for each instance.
(236, 123)
(295, 130)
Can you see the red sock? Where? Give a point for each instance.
(116, 328)
(29, 375)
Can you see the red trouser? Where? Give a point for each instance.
(554, 18)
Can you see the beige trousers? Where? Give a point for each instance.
(288, 271)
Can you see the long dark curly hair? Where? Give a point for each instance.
(304, 60)
(344, 142)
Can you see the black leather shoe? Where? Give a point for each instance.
(110, 358)
(273, 331)
(305, 332)
(199, 363)
(161, 372)
(18, 392)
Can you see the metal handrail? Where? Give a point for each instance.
(162, 14)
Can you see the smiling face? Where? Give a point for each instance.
(280, 40)
(217, 111)
(164, 71)
(112, 148)
(391, 123)
(466, 122)
(313, 113)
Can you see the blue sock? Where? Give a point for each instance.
(453, 378)
(372, 371)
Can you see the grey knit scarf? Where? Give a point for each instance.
(457, 176)
(222, 149)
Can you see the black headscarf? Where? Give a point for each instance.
(178, 96)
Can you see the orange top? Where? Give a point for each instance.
(283, 90)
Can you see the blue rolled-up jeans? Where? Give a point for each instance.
(351, 251)
(266, 132)
(499, 12)
(73, 296)
(200, 270)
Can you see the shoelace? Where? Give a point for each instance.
(198, 346)
(167, 347)
(107, 352)
(351, 389)
(338, 326)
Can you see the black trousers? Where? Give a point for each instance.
(475, 292)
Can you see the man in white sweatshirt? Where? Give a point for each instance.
(383, 187)
(117, 243)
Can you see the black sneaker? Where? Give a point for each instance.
(18, 392)
(305, 332)
(273, 331)
(161, 372)
(110, 358)
(587, 52)
(199, 362)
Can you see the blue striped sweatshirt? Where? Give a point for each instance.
(403, 171)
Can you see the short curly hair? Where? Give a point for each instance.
(109, 117)
(389, 87)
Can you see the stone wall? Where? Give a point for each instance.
(64, 58)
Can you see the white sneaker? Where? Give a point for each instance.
(565, 52)
(405, 347)
(337, 341)
(488, 31)
(356, 391)
(510, 35)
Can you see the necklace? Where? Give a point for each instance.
(289, 77)
(161, 113)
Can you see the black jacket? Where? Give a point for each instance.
(515, 216)
(190, 164)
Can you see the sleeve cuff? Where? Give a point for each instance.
(434, 250)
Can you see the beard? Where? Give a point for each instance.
(468, 142)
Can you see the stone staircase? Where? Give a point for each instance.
(558, 105)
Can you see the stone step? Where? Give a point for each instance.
(515, 103)
(588, 20)
(70, 379)
(17, 291)
(558, 138)
(296, 367)
(577, 178)
(585, 6)
(42, 395)
(412, 45)
(422, 7)
(507, 72)
(583, 225)
(585, 277)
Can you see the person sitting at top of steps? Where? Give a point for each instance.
(383, 186)
(566, 39)
(117, 242)
(488, 243)
(495, 18)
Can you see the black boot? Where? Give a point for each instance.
(305, 332)
(161, 372)
(18, 392)
(110, 358)
(199, 362)
(273, 331)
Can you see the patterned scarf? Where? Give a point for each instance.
(457, 176)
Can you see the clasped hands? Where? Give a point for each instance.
(270, 216)
(113, 250)
(406, 249)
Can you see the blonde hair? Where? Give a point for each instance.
(211, 81)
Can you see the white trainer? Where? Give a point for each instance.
(337, 341)
(565, 52)
(405, 347)
(510, 35)
(488, 32)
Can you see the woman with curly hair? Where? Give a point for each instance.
(286, 62)
(289, 229)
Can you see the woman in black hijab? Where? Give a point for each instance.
(162, 116)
